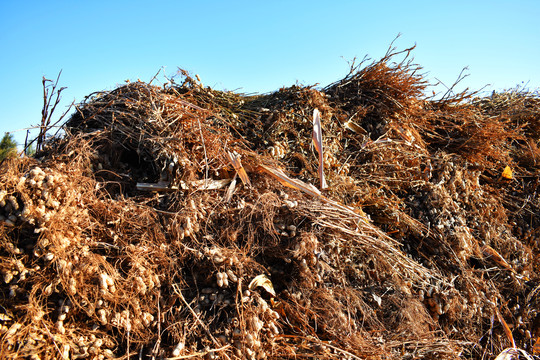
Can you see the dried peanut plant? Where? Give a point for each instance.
(181, 222)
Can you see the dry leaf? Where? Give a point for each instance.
(355, 127)
(230, 190)
(491, 253)
(507, 330)
(508, 354)
(264, 282)
(507, 173)
(210, 184)
(292, 183)
(513, 354)
(205, 184)
(235, 161)
(317, 140)
(536, 347)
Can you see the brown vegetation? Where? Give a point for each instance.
(133, 237)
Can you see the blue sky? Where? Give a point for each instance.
(252, 46)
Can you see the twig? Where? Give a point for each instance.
(197, 318)
(52, 338)
(341, 350)
(202, 353)
(26, 140)
(450, 90)
(315, 340)
(158, 342)
(48, 109)
(204, 149)
(155, 76)
(127, 345)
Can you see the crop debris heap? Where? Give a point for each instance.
(185, 222)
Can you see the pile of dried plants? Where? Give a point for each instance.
(186, 222)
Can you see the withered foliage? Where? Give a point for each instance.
(139, 233)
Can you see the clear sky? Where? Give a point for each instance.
(252, 46)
